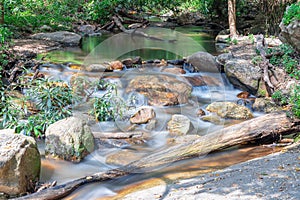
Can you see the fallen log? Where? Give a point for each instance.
(267, 128)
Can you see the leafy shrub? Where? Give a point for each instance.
(293, 13)
(287, 60)
(295, 101)
(279, 98)
(109, 106)
(53, 101)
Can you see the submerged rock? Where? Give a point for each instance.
(64, 37)
(124, 157)
(20, 163)
(215, 119)
(179, 125)
(203, 62)
(161, 90)
(70, 139)
(174, 70)
(243, 75)
(229, 110)
(143, 116)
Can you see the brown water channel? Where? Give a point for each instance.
(158, 137)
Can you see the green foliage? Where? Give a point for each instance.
(293, 13)
(109, 106)
(297, 138)
(256, 60)
(5, 36)
(279, 98)
(33, 14)
(231, 41)
(295, 101)
(251, 38)
(287, 60)
(53, 101)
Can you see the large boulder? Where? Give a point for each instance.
(291, 34)
(20, 163)
(229, 110)
(179, 125)
(70, 139)
(243, 75)
(64, 37)
(162, 90)
(203, 62)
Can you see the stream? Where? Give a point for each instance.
(117, 47)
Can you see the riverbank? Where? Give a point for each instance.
(275, 176)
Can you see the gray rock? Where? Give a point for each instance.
(229, 110)
(179, 125)
(96, 68)
(20, 162)
(123, 157)
(64, 37)
(87, 29)
(143, 116)
(243, 75)
(291, 34)
(203, 62)
(266, 105)
(223, 58)
(69, 139)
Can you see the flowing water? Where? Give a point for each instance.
(190, 40)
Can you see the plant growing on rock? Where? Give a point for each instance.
(292, 13)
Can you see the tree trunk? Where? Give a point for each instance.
(268, 128)
(2, 12)
(232, 18)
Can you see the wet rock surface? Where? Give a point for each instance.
(143, 116)
(161, 90)
(20, 163)
(179, 125)
(229, 110)
(243, 75)
(203, 62)
(69, 139)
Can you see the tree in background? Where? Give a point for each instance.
(232, 18)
